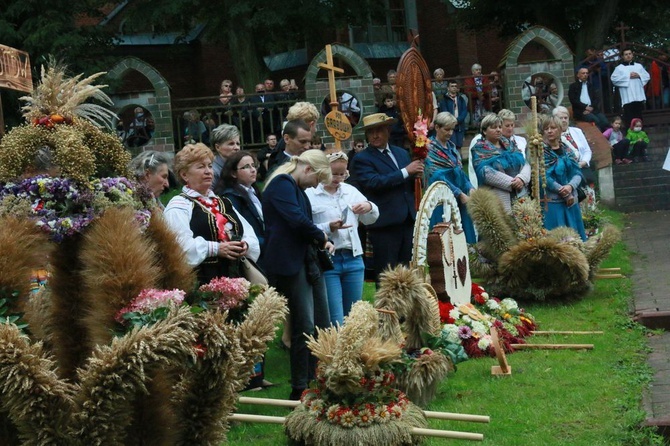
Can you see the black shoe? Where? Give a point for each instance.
(644, 158)
(296, 394)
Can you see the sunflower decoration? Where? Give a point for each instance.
(60, 115)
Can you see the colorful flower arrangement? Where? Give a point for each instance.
(363, 413)
(420, 150)
(51, 120)
(63, 207)
(470, 324)
(227, 294)
(150, 306)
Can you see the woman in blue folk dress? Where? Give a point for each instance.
(563, 178)
(444, 164)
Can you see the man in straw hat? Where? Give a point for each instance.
(385, 174)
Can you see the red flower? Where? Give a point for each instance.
(200, 350)
(479, 299)
(445, 308)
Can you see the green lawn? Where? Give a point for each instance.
(552, 398)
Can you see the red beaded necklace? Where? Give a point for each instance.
(221, 220)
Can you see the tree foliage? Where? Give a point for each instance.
(582, 23)
(254, 28)
(52, 28)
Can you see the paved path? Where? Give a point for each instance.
(647, 236)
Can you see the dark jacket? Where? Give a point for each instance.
(245, 207)
(289, 228)
(383, 184)
(578, 107)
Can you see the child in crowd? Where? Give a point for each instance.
(620, 144)
(638, 141)
(397, 137)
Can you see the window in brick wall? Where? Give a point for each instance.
(387, 25)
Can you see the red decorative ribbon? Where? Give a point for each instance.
(221, 220)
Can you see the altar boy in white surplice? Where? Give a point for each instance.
(630, 77)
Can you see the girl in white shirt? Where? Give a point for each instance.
(337, 208)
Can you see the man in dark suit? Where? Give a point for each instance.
(456, 104)
(386, 176)
(585, 101)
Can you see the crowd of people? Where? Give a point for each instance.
(358, 208)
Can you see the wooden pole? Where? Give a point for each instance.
(2, 120)
(559, 332)
(552, 346)
(429, 414)
(415, 431)
(535, 152)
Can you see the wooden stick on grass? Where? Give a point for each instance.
(552, 346)
(428, 413)
(563, 332)
(415, 431)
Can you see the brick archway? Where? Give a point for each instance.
(561, 67)
(359, 83)
(158, 103)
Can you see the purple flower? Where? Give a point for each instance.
(464, 332)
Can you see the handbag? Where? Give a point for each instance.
(325, 261)
(252, 272)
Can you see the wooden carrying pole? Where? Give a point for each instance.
(552, 346)
(415, 431)
(429, 414)
(559, 332)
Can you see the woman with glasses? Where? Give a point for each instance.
(337, 208)
(238, 184)
(151, 170)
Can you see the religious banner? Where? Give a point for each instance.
(15, 72)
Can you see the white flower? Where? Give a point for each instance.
(484, 342)
(454, 314)
(485, 295)
(492, 304)
(479, 329)
(467, 319)
(508, 304)
(450, 331)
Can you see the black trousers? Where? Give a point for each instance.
(631, 111)
(391, 246)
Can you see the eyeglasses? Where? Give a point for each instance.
(248, 167)
(359, 146)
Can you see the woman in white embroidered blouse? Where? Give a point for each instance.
(210, 232)
(337, 208)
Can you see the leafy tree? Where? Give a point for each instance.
(582, 23)
(52, 28)
(254, 28)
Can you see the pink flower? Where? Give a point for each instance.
(229, 292)
(150, 299)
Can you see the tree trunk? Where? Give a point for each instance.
(249, 65)
(597, 23)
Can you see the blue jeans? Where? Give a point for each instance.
(344, 284)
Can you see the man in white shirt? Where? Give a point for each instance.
(630, 77)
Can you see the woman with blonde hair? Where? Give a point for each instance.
(289, 255)
(337, 208)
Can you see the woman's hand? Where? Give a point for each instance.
(362, 208)
(232, 250)
(463, 198)
(337, 224)
(517, 184)
(329, 247)
(565, 191)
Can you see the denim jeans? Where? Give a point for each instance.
(308, 307)
(344, 284)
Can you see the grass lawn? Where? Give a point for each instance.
(552, 398)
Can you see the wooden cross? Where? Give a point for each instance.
(331, 68)
(623, 30)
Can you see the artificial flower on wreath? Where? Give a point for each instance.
(470, 324)
(420, 149)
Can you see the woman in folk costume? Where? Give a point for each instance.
(208, 229)
(444, 164)
(563, 177)
(498, 164)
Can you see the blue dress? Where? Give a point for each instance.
(562, 169)
(444, 164)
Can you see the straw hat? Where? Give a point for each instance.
(377, 119)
